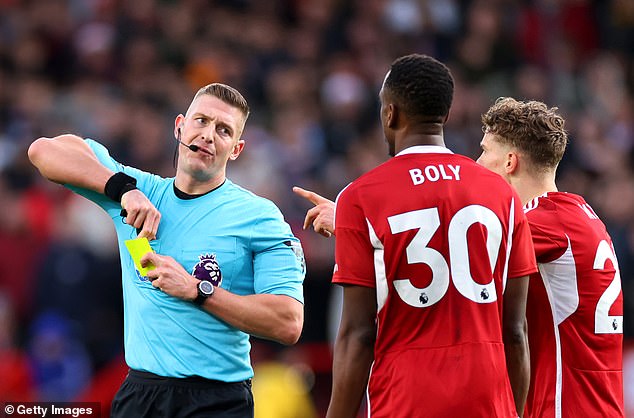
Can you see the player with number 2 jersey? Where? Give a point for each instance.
(438, 249)
(574, 311)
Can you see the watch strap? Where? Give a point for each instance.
(201, 297)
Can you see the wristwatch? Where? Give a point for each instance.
(205, 290)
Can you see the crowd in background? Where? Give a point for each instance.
(120, 71)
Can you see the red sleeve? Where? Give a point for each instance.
(354, 252)
(522, 258)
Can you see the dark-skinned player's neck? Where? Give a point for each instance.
(421, 134)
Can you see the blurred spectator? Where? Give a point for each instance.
(60, 363)
(80, 278)
(17, 376)
(25, 228)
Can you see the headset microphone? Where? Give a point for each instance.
(193, 148)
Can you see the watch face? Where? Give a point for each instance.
(206, 287)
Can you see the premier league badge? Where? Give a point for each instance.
(208, 269)
(299, 253)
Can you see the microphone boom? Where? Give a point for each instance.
(192, 148)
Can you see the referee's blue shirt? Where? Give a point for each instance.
(253, 247)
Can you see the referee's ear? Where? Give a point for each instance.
(237, 149)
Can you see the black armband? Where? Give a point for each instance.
(119, 184)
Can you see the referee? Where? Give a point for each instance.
(224, 264)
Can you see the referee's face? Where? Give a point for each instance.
(214, 127)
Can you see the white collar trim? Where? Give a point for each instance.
(425, 149)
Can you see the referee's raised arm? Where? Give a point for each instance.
(67, 159)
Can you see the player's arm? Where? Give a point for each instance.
(354, 351)
(275, 317)
(322, 215)
(516, 339)
(68, 159)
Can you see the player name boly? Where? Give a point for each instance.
(434, 173)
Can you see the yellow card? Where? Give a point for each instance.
(137, 248)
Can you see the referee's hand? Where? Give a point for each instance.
(170, 277)
(141, 213)
(322, 216)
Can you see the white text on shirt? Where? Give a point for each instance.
(435, 173)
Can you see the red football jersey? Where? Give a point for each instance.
(436, 235)
(574, 312)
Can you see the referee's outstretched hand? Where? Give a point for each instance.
(141, 213)
(322, 216)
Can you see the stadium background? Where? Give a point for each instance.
(120, 71)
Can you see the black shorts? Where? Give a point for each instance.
(146, 395)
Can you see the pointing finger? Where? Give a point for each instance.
(312, 197)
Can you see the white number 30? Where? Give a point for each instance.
(427, 221)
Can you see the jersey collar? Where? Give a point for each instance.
(425, 149)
